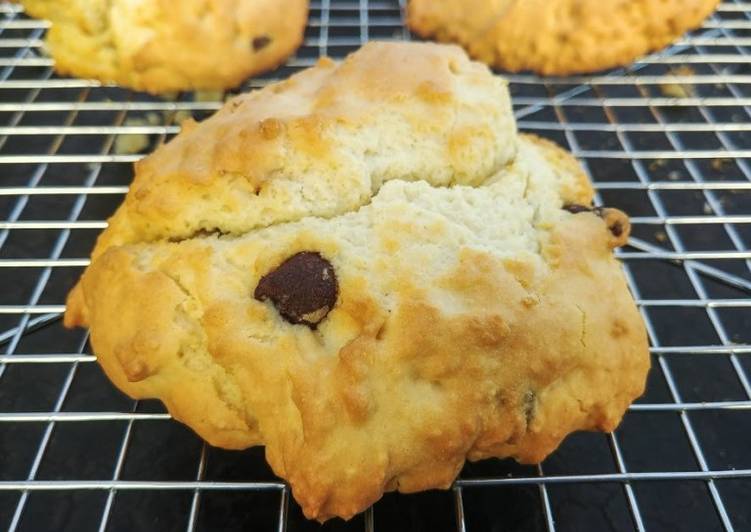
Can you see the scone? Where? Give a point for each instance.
(163, 45)
(557, 37)
(367, 270)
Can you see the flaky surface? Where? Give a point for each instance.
(156, 46)
(474, 316)
(557, 37)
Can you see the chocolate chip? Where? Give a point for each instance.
(303, 288)
(616, 229)
(575, 208)
(259, 43)
(615, 226)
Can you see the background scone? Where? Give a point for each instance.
(367, 270)
(557, 37)
(163, 45)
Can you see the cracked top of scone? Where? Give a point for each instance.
(167, 45)
(322, 143)
(367, 270)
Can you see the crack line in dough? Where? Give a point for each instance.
(535, 219)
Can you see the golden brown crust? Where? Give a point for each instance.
(149, 45)
(399, 405)
(475, 316)
(557, 37)
(316, 139)
(580, 189)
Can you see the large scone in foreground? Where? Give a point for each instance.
(367, 270)
(171, 45)
(558, 37)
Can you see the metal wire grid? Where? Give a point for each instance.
(668, 129)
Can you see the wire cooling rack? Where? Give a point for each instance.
(668, 140)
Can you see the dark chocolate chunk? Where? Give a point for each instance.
(303, 288)
(575, 208)
(614, 226)
(259, 43)
(616, 229)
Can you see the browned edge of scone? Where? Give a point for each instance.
(157, 76)
(540, 48)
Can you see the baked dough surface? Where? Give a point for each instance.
(557, 37)
(473, 315)
(171, 45)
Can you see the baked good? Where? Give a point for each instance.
(557, 37)
(156, 46)
(367, 270)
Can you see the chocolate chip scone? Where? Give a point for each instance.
(557, 37)
(160, 46)
(367, 270)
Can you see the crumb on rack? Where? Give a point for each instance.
(657, 164)
(208, 96)
(130, 143)
(679, 89)
(720, 165)
(674, 175)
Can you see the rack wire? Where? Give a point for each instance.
(667, 139)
